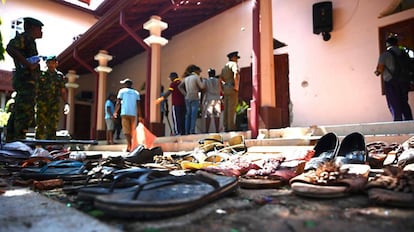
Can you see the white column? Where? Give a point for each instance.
(102, 57)
(71, 86)
(155, 41)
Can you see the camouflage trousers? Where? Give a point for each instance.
(47, 119)
(22, 117)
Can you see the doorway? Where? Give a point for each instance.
(281, 88)
(82, 127)
(405, 32)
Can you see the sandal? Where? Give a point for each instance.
(331, 181)
(167, 196)
(211, 142)
(65, 169)
(236, 146)
(394, 187)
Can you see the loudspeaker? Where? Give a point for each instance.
(322, 17)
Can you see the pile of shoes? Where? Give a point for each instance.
(148, 184)
(351, 167)
(119, 186)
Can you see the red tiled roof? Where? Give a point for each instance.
(6, 81)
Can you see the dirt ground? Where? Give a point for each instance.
(268, 210)
(265, 210)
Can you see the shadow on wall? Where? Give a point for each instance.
(397, 6)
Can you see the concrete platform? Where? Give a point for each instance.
(293, 136)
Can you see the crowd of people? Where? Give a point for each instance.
(38, 93)
(194, 96)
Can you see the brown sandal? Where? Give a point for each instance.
(394, 187)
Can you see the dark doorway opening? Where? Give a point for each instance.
(405, 32)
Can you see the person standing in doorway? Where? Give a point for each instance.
(191, 87)
(396, 89)
(50, 88)
(129, 99)
(23, 50)
(109, 118)
(177, 102)
(212, 101)
(230, 77)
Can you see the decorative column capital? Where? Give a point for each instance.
(72, 76)
(103, 69)
(102, 57)
(153, 39)
(155, 25)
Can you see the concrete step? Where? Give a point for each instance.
(389, 132)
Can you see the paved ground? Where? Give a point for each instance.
(246, 210)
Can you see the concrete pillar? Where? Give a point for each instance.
(270, 114)
(155, 41)
(71, 86)
(267, 65)
(102, 57)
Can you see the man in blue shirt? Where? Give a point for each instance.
(109, 118)
(128, 100)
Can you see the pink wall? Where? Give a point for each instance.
(333, 82)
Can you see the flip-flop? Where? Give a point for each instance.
(124, 180)
(167, 196)
(64, 169)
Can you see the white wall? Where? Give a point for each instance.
(61, 24)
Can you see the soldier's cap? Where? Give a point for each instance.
(126, 80)
(49, 58)
(33, 21)
(173, 75)
(233, 54)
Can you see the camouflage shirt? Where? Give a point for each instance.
(26, 45)
(49, 85)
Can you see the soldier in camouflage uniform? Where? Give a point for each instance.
(50, 87)
(20, 48)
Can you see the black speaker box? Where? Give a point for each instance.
(322, 17)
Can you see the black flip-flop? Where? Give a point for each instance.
(124, 180)
(61, 169)
(167, 196)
